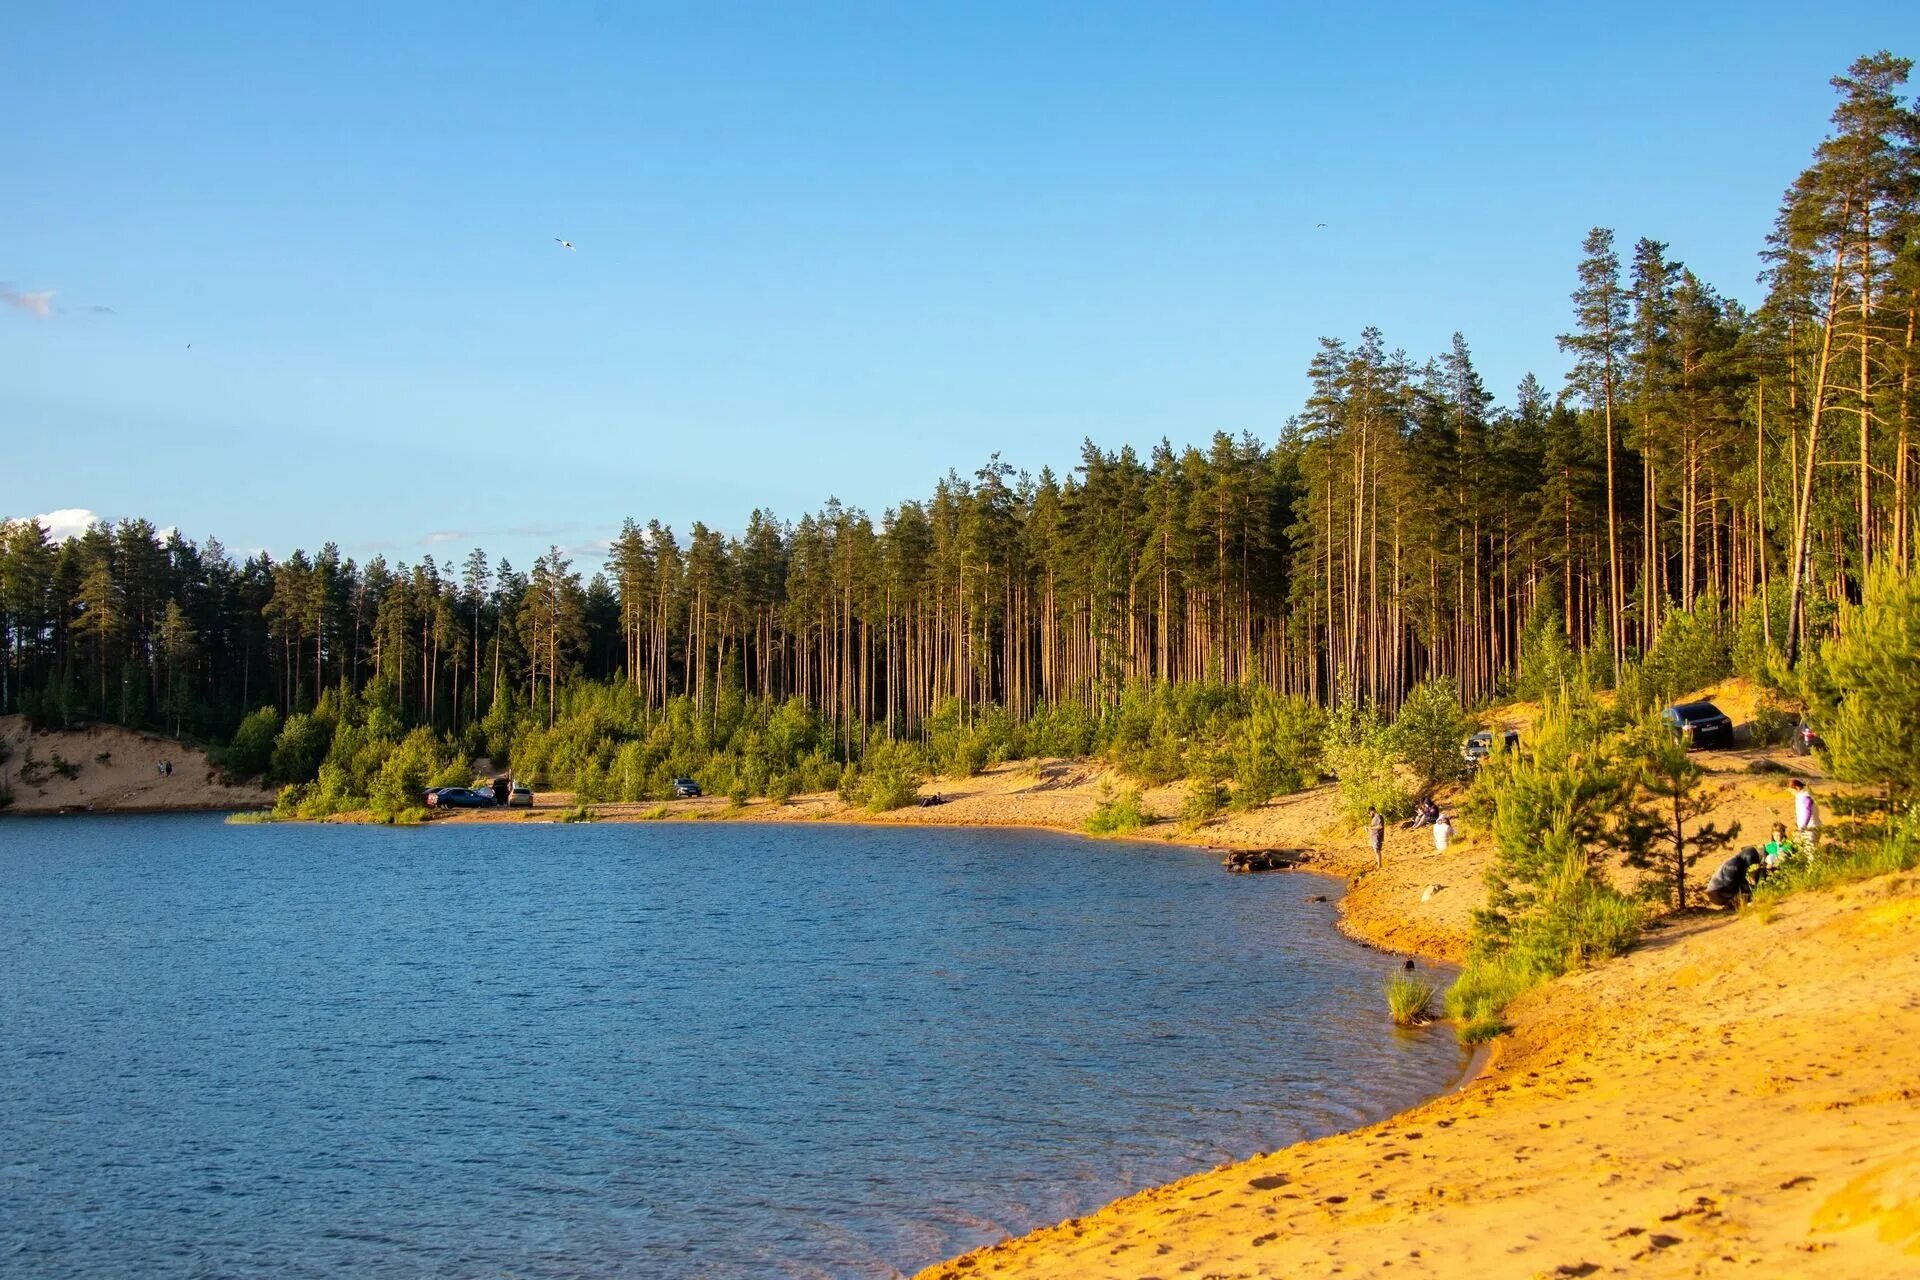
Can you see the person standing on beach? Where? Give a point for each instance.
(1806, 816)
(1376, 835)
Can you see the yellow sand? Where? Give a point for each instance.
(127, 779)
(1736, 1097)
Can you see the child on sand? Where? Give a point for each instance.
(1778, 848)
(1442, 832)
(1376, 835)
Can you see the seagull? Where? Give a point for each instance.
(1319, 224)
(564, 244)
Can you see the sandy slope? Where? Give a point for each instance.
(1736, 1097)
(118, 770)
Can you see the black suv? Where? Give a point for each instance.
(1699, 724)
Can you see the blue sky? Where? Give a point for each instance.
(821, 249)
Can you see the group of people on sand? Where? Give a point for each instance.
(1425, 814)
(1734, 882)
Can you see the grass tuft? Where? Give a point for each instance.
(1410, 999)
(1118, 815)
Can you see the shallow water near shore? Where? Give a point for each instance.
(686, 1050)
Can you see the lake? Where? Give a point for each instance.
(705, 1050)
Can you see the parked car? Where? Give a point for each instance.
(1699, 724)
(1480, 745)
(685, 789)
(458, 798)
(521, 797)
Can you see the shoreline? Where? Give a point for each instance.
(1721, 1098)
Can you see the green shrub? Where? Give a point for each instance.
(890, 777)
(1547, 666)
(1409, 999)
(1862, 688)
(1204, 801)
(1486, 986)
(1429, 732)
(1117, 814)
(957, 748)
(1361, 753)
(1772, 724)
(1690, 651)
(1554, 812)
(405, 775)
(1858, 854)
(251, 750)
(1664, 833)
(1276, 748)
(300, 746)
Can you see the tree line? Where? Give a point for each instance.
(1402, 526)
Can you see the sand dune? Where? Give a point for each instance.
(113, 769)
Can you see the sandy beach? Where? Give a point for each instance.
(1734, 1097)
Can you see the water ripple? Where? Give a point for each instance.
(722, 1051)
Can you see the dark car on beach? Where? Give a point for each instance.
(1699, 724)
(685, 789)
(458, 798)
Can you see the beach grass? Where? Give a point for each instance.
(1410, 999)
(1118, 815)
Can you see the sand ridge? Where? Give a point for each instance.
(115, 770)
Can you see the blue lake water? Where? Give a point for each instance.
(641, 1050)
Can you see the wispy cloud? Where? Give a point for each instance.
(440, 537)
(40, 303)
(34, 304)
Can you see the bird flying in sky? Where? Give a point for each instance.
(564, 244)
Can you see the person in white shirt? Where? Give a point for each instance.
(1806, 815)
(1442, 832)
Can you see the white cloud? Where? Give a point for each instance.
(34, 304)
(68, 522)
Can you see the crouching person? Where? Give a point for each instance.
(1733, 882)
